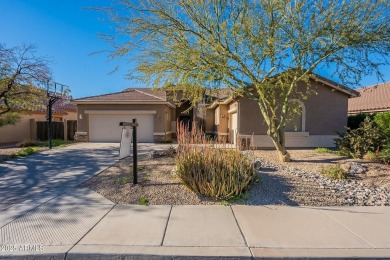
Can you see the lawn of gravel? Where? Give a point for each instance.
(297, 183)
(156, 183)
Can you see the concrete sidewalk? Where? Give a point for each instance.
(82, 224)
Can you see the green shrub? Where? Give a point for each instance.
(357, 142)
(344, 152)
(216, 172)
(25, 152)
(371, 156)
(383, 122)
(143, 201)
(334, 172)
(323, 150)
(384, 155)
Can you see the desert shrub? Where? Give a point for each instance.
(334, 172)
(384, 155)
(211, 169)
(143, 201)
(383, 122)
(25, 152)
(371, 156)
(357, 142)
(323, 150)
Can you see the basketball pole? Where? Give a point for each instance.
(53, 97)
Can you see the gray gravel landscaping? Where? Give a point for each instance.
(300, 183)
(297, 183)
(292, 186)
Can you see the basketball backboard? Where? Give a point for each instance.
(55, 89)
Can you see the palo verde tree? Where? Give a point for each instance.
(22, 77)
(261, 49)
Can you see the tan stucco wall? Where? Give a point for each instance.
(159, 118)
(21, 131)
(70, 116)
(250, 119)
(168, 118)
(326, 113)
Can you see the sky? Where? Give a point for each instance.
(65, 31)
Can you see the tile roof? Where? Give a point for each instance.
(219, 94)
(61, 106)
(371, 99)
(148, 95)
(129, 94)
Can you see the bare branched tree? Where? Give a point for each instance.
(23, 76)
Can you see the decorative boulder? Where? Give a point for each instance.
(357, 168)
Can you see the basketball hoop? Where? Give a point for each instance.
(54, 91)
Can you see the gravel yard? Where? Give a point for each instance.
(295, 183)
(156, 183)
(299, 182)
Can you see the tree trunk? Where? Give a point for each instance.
(278, 138)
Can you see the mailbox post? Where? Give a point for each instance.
(134, 126)
(135, 168)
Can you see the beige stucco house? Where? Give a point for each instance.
(25, 129)
(220, 114)
(322, 116)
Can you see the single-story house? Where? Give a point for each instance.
(372, 99)
(26, 129)
(323, 115)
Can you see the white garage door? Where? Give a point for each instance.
(105, 128)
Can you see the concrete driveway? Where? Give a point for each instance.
(52, 172)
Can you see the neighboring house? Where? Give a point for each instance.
(219, 114)
(372, 99)
(25, 129)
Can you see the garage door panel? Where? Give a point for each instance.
(105, 128)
